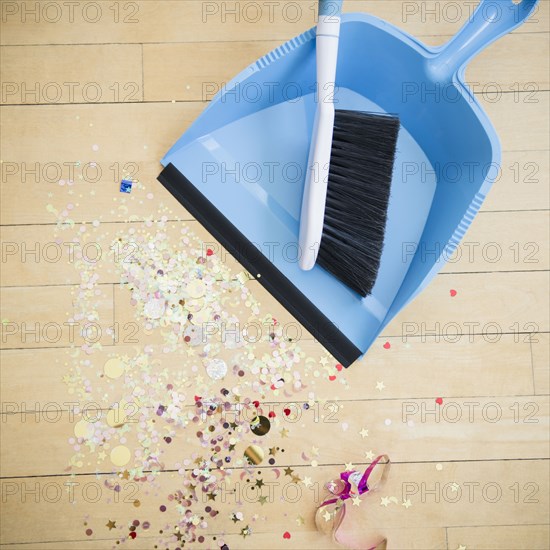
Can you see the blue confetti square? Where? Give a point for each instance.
(126, 186)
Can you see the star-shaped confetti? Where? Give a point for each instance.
(380, 386)
(288, 471)
(307, 481)
(364, 433)
(327, 516)
(245, 532)
(407, 503)
(384, 501)
(356, 500)
(349, 467)
(111, 524)
(369, 455)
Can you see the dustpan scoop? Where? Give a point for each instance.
(212, 169)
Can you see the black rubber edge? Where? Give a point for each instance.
(279, 286)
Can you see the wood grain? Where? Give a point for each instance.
(63, 152)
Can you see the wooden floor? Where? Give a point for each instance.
(95, 92)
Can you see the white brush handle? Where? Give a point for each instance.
(315, 189)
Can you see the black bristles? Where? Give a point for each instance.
(358, 194)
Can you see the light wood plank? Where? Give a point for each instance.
(186, 73)
(195, 20)
(481, 428)
(518, 241)
(514, 241)
(524, 183)
(509, 116)
(513, 303)
(442, 507)
(540, 346)
(417, 369)
(152, 128)
(510, 300)
(507, 303)
(71, 74)
(51, 317)
(149, 130)
(528, 537)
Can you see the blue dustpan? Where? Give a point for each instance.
(240, 168)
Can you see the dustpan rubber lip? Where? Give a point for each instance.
(273, 280)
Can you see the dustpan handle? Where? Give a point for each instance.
(491, 20)
(330, 8)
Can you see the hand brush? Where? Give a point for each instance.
(350, 166)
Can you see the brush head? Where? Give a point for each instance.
(358, 194)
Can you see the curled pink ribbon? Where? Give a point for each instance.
(349, 486)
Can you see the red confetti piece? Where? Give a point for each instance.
(453, 293)
(133, 535)
(209, 252)
(286, 535)
(287, 411)
(197, 398)
(439, 401)
(271, 414)
(339, 367)
(256, 404)
(332, 377)
(387, 345)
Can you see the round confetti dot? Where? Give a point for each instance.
(116, 418)
(254, 454)
(260, 425)
(387, 422)
(193, 335)
(155, 308)
(89, 532)
(114, 367)
(83, 429)
(439, 467)
(196, 289)
(120, 455)
(95, 147)
(216, 369)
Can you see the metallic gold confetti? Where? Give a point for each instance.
(254, 454)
